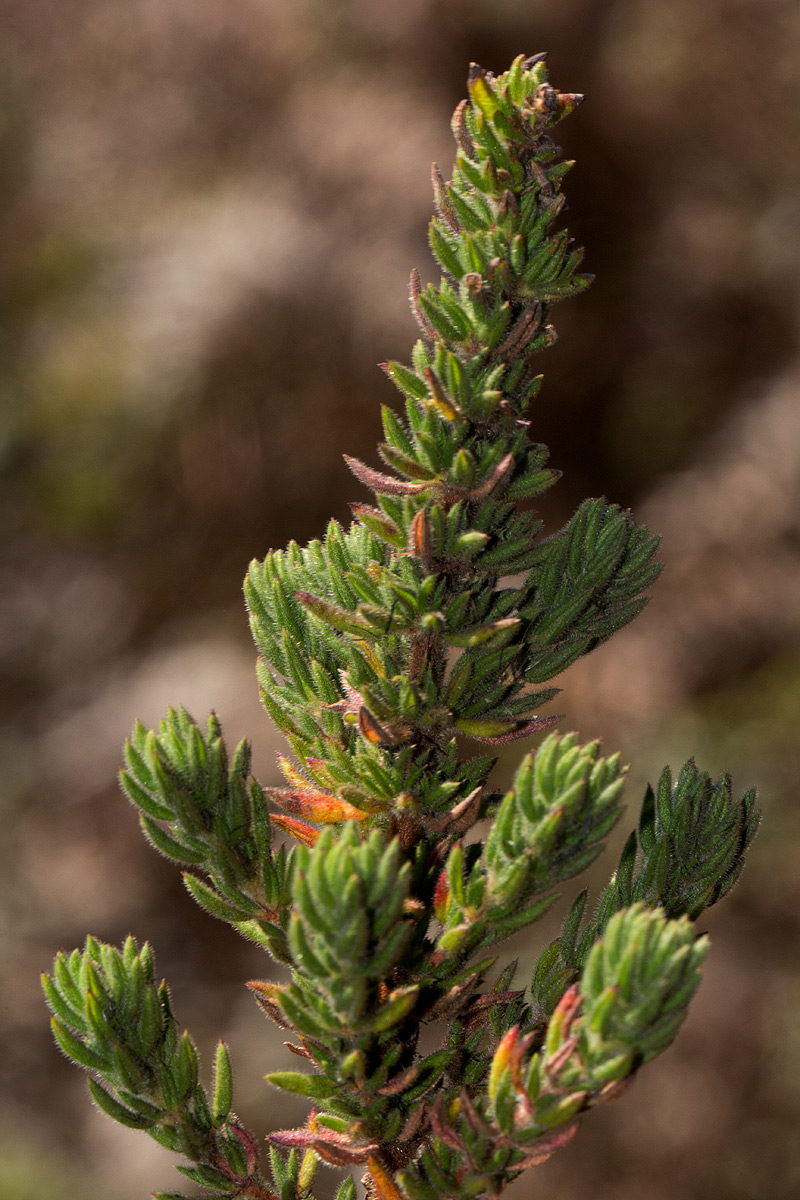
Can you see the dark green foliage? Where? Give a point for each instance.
(439, 619)
(689, 852)
(588, 584)
(629, 1005)
(197, 808)
(692, 839)
(113, 1018)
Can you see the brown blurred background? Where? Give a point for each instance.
(208, 213)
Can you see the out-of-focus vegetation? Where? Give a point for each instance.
(208, 213)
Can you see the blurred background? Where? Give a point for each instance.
(208, 215)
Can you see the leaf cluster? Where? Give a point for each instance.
(627, 1008)
(549, 827)
(198, 808)
(112, 1018)
(685, 855)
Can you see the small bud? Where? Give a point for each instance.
(441, 897)
(354, 1067)
(300, 1051)
(414, 293)
(545, 101)
(432, 622)
(501, 1061)
(419, 537)
(569, 101)
(296, 829)
(308, 1168)
(384, 1185)
(438, 397)
(509, 203)
(315, 806)
(498, 475)
(470, 543)
(481, 92)
(443, 203)
(458, 125)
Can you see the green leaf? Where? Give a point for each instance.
(331, 614)
(315, 1087)
(481, 92)
(208, 1177)
(169, 846)
(118, 1112)
(80, 1053)
(212, 902)
(443, 248)
(395, 1009)
(61, 1008)
(408, 382)
(346, 1190)
(186, 1066)
(692, 839)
